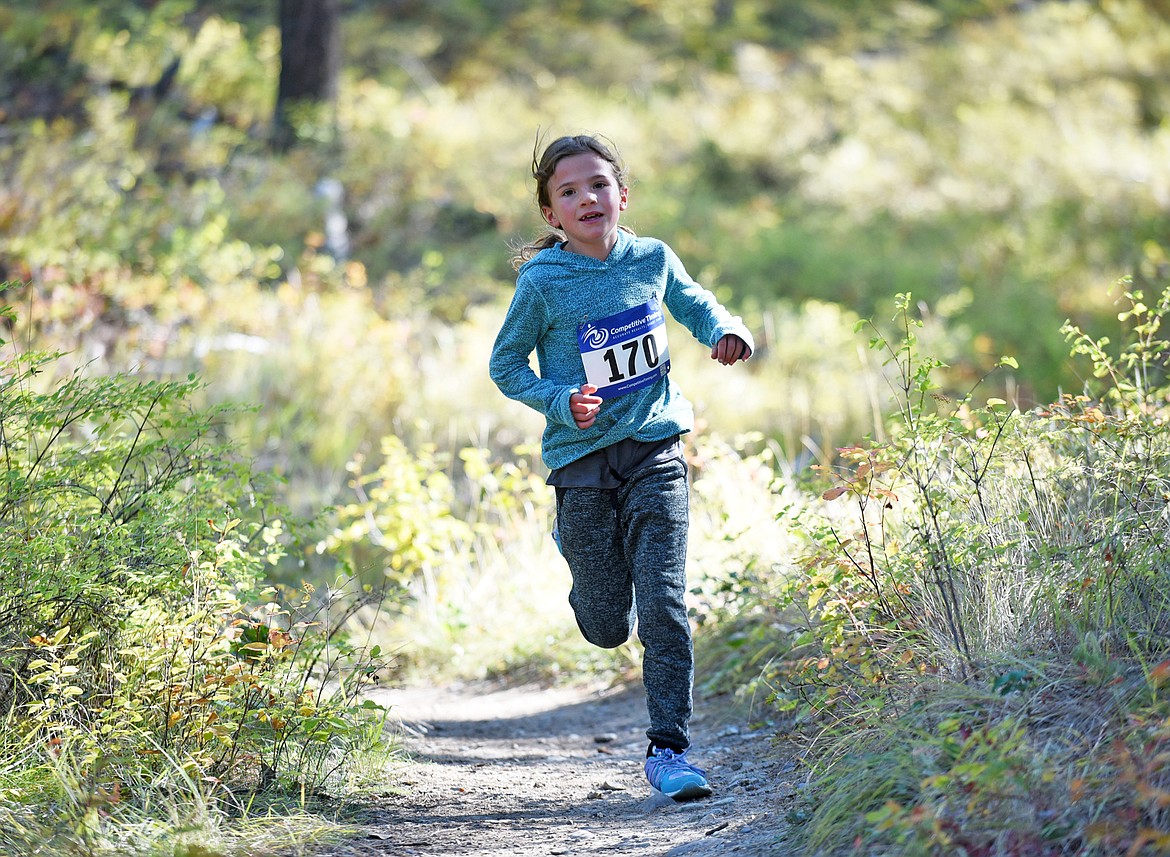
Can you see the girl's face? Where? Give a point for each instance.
(585, 202)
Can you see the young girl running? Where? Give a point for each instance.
(589, 300)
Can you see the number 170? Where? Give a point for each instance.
(647, 344)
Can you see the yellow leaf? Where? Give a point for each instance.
(278, 639)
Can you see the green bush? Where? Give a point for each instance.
(985, 602)
(145, 665)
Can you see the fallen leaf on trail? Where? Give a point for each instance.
(1160, 673)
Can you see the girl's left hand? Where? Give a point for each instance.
(730, 349)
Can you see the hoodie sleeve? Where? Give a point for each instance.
(526, 322)
(697, 309)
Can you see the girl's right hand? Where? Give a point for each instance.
(584, 406)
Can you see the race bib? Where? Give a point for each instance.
(626, 351)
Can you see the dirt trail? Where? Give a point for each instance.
(527, 771)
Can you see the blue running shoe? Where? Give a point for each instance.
(670, 773)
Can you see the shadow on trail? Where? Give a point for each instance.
(614, 712)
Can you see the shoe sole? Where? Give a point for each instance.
(691, 791)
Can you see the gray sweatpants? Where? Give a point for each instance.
(626, 548)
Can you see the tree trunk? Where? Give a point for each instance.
(310, 58)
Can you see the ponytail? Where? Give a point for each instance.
(527, 250)
(550, 238)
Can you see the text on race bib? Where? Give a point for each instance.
(626, 351)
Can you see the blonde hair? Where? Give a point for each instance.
(543, 169)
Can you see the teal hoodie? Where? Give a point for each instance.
(556, 291)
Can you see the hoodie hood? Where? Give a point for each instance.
(562, 258)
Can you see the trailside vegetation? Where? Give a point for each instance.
(976, 651)
(153, 682)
